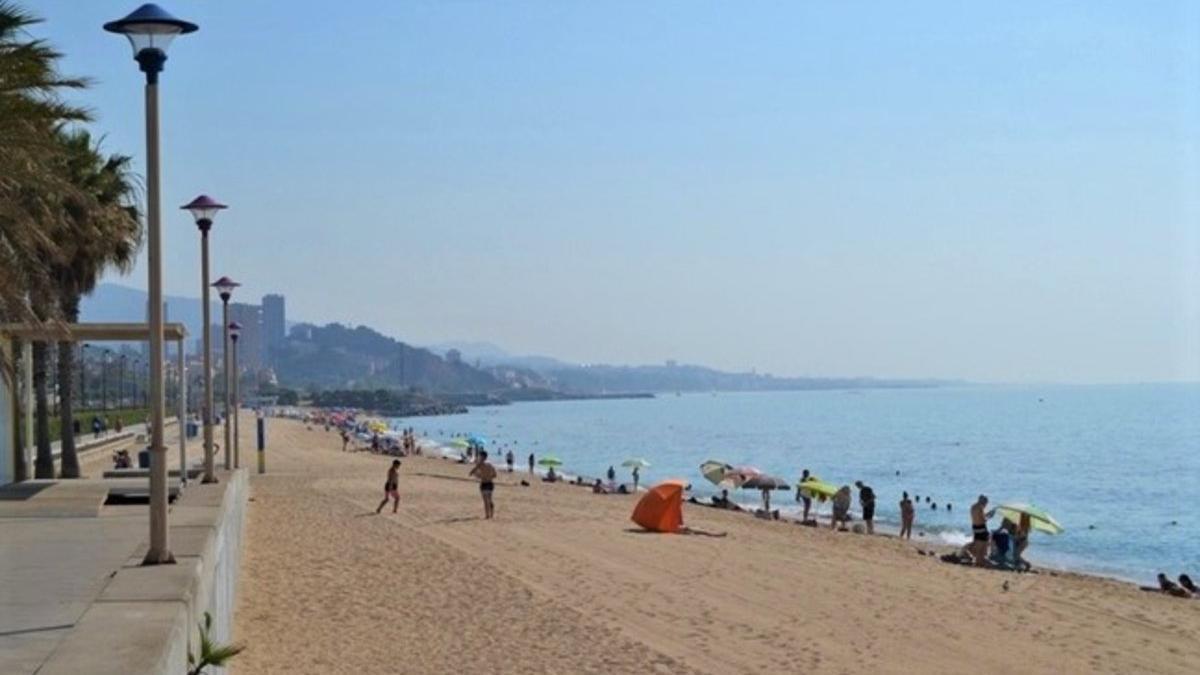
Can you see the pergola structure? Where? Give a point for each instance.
(10, 403)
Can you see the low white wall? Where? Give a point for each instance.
(221, 599)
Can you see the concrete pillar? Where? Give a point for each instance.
(8, 416)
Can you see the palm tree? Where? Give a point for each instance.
(106, 232)
(30, 112)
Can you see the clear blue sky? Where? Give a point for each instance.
(995, 191)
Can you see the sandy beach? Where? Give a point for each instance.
(562, 582)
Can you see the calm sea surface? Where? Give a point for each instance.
(1119, 466)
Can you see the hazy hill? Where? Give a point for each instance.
(337, 356)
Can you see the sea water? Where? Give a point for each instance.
(1118, 466)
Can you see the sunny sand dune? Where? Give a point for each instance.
(560, 583)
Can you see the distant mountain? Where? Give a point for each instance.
(488, 354)
(337, 356)
(116, 303)
(603, 379)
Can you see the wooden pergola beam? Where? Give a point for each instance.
(90, 332)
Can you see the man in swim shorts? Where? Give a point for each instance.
(391, 488)
(979, 531)
(866, 499)
(486, 473)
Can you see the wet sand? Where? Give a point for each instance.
(562, 582)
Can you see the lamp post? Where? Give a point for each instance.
(104, 354)
(150, 29)
(225, 287)
(204, 209)
(235, 331)
(121, 383)
(83, 373)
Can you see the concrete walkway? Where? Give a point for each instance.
(74, 597)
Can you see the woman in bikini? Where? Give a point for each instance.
(486, 473)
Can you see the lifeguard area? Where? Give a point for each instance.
(74, 594)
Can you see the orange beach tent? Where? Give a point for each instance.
(661, 508)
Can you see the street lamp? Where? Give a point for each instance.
(121, 385)
(225, 287)
(83, 373)
(150, 29)
(235, 331)
(204, 209)
(104, 356)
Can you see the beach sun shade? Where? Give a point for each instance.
(715, 471)
(477, 440)
(815, 488)
(636, 462)
(549, 460)
(739, 475)
(460, 443)
(661, 508)
(765, 482)
(1038, 518)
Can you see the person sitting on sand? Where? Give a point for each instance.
(841, 508)
(907, 515)
(598, 488)
(391, 488)
(622, 490)
(1021, 542)
(1002, 543)
(979, 531)
(1171, 588)
(551, 476)
(1186, 582)
(486, 473)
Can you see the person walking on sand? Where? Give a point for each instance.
(508, 459)
(345, 439)
(391, 488)
(907, 515)
(979, 531)
(866, 499)
(486, 473)
(531, 462)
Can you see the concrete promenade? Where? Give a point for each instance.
(74, 597)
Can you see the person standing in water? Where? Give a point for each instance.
(486, 473)
(391, 488)
(612, 475)
(637, 474)
(907, 515)
(508, 459)
(531, 462)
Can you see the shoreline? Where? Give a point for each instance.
(790, 514)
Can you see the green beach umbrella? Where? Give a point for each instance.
(1038, 518)
(550, 460)
(715, 471)
(636, 461)
(460, 443)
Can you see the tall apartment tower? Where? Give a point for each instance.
(250, 344)
(274, 321)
